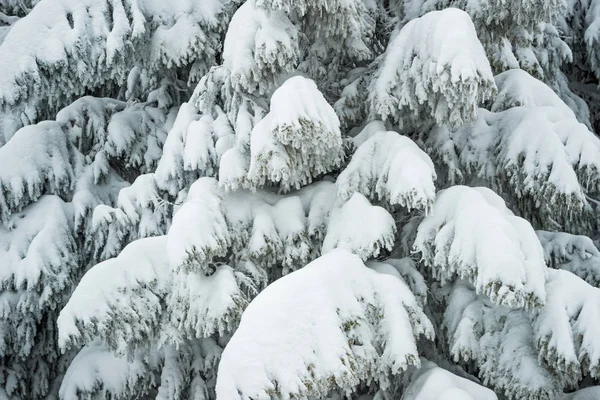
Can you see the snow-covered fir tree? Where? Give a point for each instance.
(316, 199)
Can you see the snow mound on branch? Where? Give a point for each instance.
(430, 382)
(334, 323)
(434, 69)
(119, 300)
(97, 371)
(391, 168)
(57, 44)
(472, 235)
(499, 340)
(260, 45)
(574, 253)
(376, 226)
(191, 149)
(556, 344)
(39, 261)
(566, 329)
(298, 140)
(35, 161)
(516, 88)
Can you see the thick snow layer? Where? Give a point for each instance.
(574, 253)
(119, 300)
(436, 69)
(430, 382)
(298, 140)
(39, 260)
(272, 230)
(95, 43)
(390, 168)
(471, 234)
(259, 46)
(96, 372)
(499, 340)
(35, 161)
(189, 151)
(566, 329)
(536, 152)
(332, 323)
(360, 228)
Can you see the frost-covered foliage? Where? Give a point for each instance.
(298, 140)
(351, 325)
(279, 233)
(67, 47)
(547, 349)
(472, 235)
(431, 382)
(530, 148)
(574, 253)
(390, 168)
(434, 69)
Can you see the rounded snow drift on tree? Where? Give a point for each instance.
(434, 69)
(327, 327)
(472, 235)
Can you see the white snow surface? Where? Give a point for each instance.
(471, 234)
(313, 327)
(430, 382)
(96, 370)
(90, 42)
(360, 228)
(391, 168)
(120, 299)
(436, 69)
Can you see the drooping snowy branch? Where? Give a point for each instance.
(39, 263)
(369, 322)
(35, 161)
(556, 344)
(376, 226)
(500, 341)
(390, 168)
(533, 151)
(573, 253)
(472, 235)
(295, 142)
(119, 300)
(434, 69)
(57, 45)
(430, 382)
